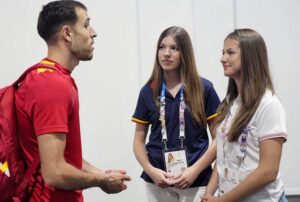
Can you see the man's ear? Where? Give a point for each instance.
(67, 33)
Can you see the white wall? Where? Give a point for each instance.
(279, 23)
(124, 54)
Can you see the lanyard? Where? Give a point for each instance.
(243, 145)
(243, 142)
(162, 117)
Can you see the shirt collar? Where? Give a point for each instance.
(50, 62)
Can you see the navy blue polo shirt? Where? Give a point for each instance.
(196, 138)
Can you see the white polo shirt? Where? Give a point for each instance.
(269, 121)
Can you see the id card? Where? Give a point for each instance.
(175, 160)
(229, 178)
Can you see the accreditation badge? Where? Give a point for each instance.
(175, 160)
(229, 178)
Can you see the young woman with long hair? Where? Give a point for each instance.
(250, 127)
(178, 104)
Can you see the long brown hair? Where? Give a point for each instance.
(256, 79)
(188, 72)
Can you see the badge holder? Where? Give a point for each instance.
(230, 175)
(175, 160)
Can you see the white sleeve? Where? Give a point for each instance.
(271, 121)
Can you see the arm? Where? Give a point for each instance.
(58, 173)
(89, 168)
(112, 178)
(159, 177)
(266, 172)
(189, 175)
(213, 181)
(212, 184)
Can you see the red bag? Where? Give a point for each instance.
(14, 174)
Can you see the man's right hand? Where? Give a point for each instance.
(114, 181)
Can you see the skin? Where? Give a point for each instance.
(169, 59)
(231, 61)
(73, 44)
(82, 38)
(269, 149)
(169, 55)
(266, 172)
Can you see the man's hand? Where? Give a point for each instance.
(114, 181)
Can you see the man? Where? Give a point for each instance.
(48, 110)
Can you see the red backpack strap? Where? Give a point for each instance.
(36, 66)
(34, 165)
(26, 178)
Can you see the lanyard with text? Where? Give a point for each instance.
(162, 117)
(241, 153)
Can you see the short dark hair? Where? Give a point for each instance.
(56, 14)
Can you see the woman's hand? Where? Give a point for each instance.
(185, 179)
(160, 177)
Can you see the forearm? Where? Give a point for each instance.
(139, 147)
(58, 173)
(68, 177)
(141, 155)
(207, 158)
(250, 185)
(213, 183)
(110, 181)
(265, 173)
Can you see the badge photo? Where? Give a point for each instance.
(175, 160)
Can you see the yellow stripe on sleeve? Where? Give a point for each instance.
(139, 121)
(212, 116)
